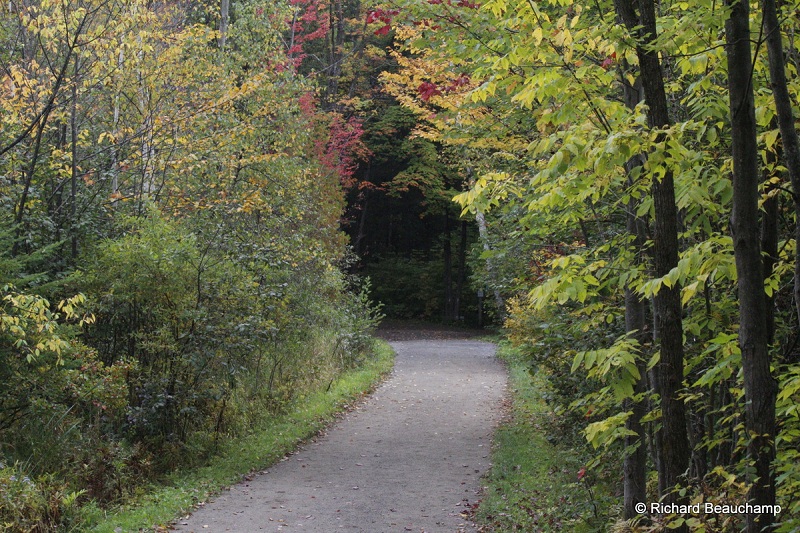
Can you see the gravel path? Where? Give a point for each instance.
(410, 458)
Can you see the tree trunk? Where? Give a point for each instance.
(759, 386)
(769, 243)
(491, 270)
(336, 43)
(462, 270)
(635, 461)
(115, 152)
(39, 124)
(362, 220)
(224, 14)
(73, 189)
(483, 235)
(785, 115)
(674, 443)
(448, 270)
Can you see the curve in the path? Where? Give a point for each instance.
(409, 459)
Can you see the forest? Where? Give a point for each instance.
(206, 209)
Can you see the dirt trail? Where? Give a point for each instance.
(410, 458)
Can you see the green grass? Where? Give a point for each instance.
(242, 456)
(533, 484)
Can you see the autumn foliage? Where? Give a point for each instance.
(171, 166)
(571, 123)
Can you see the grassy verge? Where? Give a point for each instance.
(257, 451)
(534, 483)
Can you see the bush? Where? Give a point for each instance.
(58, 404)
(39, 505)
(548, 341)
(196, 335)
(180, 315)
(220, 329)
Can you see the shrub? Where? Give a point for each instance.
(221, 330)
(161, 303)
(548, 341)
(39, 505)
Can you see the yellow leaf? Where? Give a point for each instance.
(537, 36)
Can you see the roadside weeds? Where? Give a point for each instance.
(534, 484)
(241, 458)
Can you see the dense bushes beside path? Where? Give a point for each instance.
(177, 348)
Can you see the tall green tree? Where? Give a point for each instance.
(609, 201)
(785, 118)
(759, 385)
(673, 441)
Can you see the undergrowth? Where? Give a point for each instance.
(240, 457)
(537, 483)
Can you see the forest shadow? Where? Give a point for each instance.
(410, 330)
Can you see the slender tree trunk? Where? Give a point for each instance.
(55, 203)
(358, 56)
(362, 224)
(41, 120)
(73, 189)
(483, 234)
(674, 443)
(635, 461)
(224, 13)
(336, 43)
(28, 180)
(634, 465)
(769, 244)
(462, 271)
(39, 124)
(147, 150)
(785, 115)
(448, 269)
(292, 33)
(115, 153)
(759, 386)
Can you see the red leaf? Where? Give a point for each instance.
(383, 30)
(428, 90)
(460, 81)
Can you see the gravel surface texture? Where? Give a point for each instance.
(409, 458)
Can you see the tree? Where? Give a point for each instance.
(759, 385)
(557, 183)
(172, 163)
(674, 444)
(785, 119)
(635, 462)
